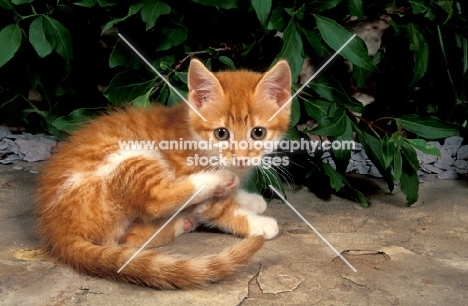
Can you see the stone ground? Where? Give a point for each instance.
(404, 255)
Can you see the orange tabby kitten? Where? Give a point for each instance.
(99, 202)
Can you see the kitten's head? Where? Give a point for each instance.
(239, 108)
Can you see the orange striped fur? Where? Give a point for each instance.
(98, 203)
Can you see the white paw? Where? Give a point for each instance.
(264, 226)
(249, 201)
(216, 184)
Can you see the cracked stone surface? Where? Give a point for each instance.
(277, 279)
(414, 255)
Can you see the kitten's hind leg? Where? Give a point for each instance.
(140, 232)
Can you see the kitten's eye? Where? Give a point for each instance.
(221, 134)
(258, 133)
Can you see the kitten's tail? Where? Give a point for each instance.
(157, 270)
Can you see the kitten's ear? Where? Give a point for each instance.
(203, 85)
(275, 84)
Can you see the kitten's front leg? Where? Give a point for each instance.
(250, 201)
(229, 216)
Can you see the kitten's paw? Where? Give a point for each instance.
(264, 226)
(184, 225)
(252, 202)
(216, 184)
(228, 183)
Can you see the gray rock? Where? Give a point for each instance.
(362, 168)
(430, 168)
(4, 132)
(450, 174)
(358, 146)
(453, 144)
(425, 158)
(461, 164)
(351, 166)
(374, 172)
(460, 171)
(445, 160)
(34, 150)
(462, 153)
(359, 155)
(10, 159)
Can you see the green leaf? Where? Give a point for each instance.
(373, 149)
(277, 21)
(313, 39)
(18, 2)
(409, 184)
(6, 4)
(323, 5)
(182, 76)
(447, 6)
(292, 49)
(360, 76)
(10, 40)
(295, 111)
(336, 179)
(173, 37)
(343, 155)
(427, 127)
(271, 177)
(410, 154)
(122, 56)
(388, 151)
(105, 3)
(464, 46)
(317, 108)
(60, 39)
(359, 196)
(335, 36)
(331, 89)
(86, 3)
(74, 120)
(262, 9)
(332, 126)
(174, 98)
(419, 45)
(397, 164)
(151, 11)
(292, 134)
(418, 6)
(38, 39)
(422, 146)
(355, 8)
(132, 10)
(143, 101)
(224, 4)
(127, 86)
(253, 182)
(227, 61)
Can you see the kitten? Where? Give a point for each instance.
(99, 202)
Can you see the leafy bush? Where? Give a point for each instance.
(55, 55)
